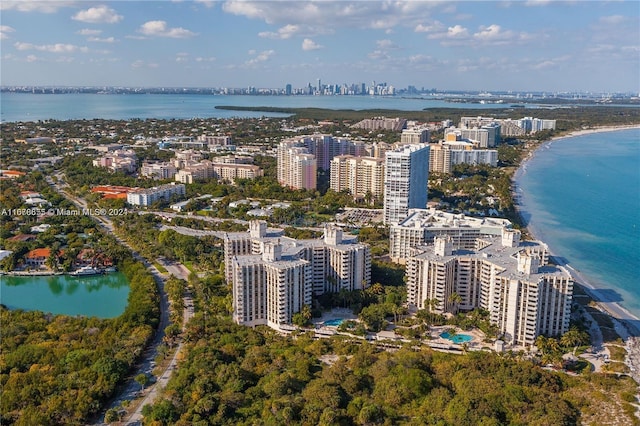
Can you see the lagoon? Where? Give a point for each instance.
(102, 296)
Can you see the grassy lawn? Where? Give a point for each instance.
(617, 353)
(189, 265)
(160, 268)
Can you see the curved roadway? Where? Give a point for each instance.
(131, 388)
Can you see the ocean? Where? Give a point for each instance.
(581, 196)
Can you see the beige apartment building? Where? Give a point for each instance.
(363, 177)
(513, 280)
(273, 276)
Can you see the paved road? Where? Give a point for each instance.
(145, 365)
(154, 391)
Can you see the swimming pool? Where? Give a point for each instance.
(334, 322)
(456, 338)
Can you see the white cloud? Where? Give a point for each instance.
(378, 55)
(142, 64)
(493, 34)
(457, 31)
(32, 58)
(89, 32)
(203, 59)
(35, 6)
(102, 40)
(98, 15)
(326, 16)
(537, 2)
(51, 48)
(160, 29)
(436, 26)
(206, 3)
(261, 57)
(308, 44)
(283, 33)
(386, 44)
(613, 19)
(4, 30)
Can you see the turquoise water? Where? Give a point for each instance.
(581, 196)
(456, 338)
(103, 296)
(334, 322)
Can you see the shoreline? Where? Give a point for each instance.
(615, 309)
(627, 324)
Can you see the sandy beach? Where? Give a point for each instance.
(627, 324)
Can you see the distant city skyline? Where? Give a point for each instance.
(511, 45)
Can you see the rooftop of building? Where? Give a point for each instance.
(436, 219)
(154, 189)
(286, 260)
(499, 255)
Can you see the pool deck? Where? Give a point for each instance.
(335, 314)
(476, 342)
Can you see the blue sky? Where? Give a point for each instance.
(473, 45)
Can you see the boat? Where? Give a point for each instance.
(84, 271)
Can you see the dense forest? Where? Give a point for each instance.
(234, 375)
(59, 370)
(569, 118)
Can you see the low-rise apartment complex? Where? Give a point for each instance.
(147, 196)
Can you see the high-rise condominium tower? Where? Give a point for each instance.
(405, 183)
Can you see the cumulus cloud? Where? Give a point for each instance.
(160, 29)
(489, 35)
(51, 48)
(308, 44)
(283, 33)
(102, 40)
(455, 32)
(142, 64)
(260, 57)
(435, 26)
(386, 44)
(537, 2)
(35, 6)
(493, 34)
(378, 55)
(206, 3)
(328, 15)
(4, 31)
(89, 32)
(613, 19)
(98, 15)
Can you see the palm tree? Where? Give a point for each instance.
(574, 337)
(455, 299)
